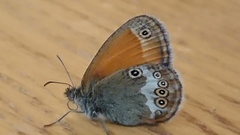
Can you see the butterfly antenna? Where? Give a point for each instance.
(66, 70)
(57, 83)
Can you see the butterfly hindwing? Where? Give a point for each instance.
(150, 93)
(163, 91)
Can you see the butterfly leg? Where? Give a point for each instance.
(101, 119)
(149, 121)
(76, 111)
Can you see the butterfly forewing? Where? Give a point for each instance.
(141, 40)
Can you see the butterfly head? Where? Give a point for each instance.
(83, 101)
(73, 93)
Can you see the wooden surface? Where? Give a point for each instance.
(205, 41)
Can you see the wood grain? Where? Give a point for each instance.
(205, 41)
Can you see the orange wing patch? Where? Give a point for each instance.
(125, 51)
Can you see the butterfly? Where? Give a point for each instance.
(131, 80)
